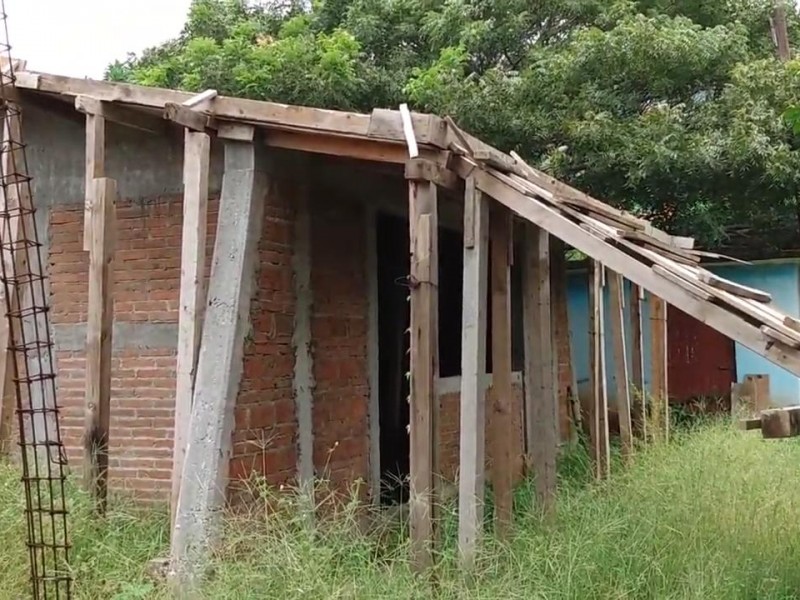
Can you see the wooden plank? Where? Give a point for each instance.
(187, 117)
(502, 431)
(423, 169)
(423, 501)
(429, 129)
(95, 168)
(792, 323)
(776, 334)
(202, 100)
(127, 117)
(715, 316)
(362, 149)
(601, 450)
(685, 282)
(658, 363)
(639, 412)
(616, 294)
(472, 461)
(99, 326)
(240, 132)
(197, 153)
(675, 253)
(734, 288)
(541, 394)
(750, 424)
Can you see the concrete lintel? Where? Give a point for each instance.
(219, 367)
(71, 337)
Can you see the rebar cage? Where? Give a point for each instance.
(30, 373)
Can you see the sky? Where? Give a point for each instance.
(81, 37)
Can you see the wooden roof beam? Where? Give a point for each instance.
(121, 115)
(638, 272)
(187, 117)
(190, 113)
(382, 125)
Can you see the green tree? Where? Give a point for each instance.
(675, 109)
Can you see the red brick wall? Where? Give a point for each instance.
(147, 275)
(264, 440)
(450, 428)
(339, 334)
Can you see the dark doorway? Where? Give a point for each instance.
(393, 341)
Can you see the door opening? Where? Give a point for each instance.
(393, 340)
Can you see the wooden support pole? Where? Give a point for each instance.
(616, 292)
(472, 458)
(601, 452)
(658, 363)
(95, 168)
(502, 434)
(639, 410)
(541, 392)
(197, 150)
(423, 222)
(99, 326)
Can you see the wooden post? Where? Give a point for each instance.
(601, 452)
(658, 362)
(95, 168)
(197, 149)
(616, 290)
(541, 397)
(639, 412)
(502, 434)
(423, 222)
(472, 459)
(99, 328)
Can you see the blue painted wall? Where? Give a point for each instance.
(781, 279)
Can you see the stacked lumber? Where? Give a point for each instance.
(670, 257)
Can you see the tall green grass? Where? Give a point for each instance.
(714, 514)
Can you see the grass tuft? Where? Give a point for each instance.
(711, 515)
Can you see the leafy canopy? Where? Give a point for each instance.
(675, 109)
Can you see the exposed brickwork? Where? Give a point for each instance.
(449, 431)
(147, 283)
(264, 440)
(339, 334)
(142, 409)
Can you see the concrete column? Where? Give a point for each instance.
(220, 360)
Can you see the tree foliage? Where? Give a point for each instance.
(676, 109)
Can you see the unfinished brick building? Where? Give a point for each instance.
(257, 260)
